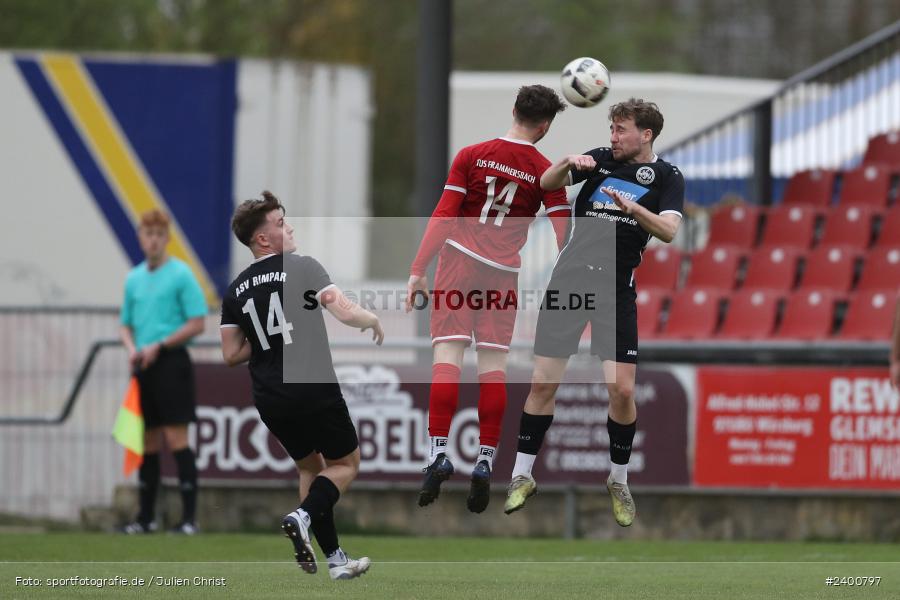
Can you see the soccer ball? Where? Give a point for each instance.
(585, 82)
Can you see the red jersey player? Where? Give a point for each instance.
(479, 226)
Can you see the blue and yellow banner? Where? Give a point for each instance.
(149, 134)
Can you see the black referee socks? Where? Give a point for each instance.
(532, 429)
(620, 439)
(319, 505)
(187, 482)
(148, 484)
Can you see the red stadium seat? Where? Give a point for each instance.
(890, 228)
(660, 267)
(885, 149)
(808, 315)
(830, 267)
(772, 267)
(814, 187)
(870, 315)
(693, 314)
(882, 269)
(715, 266)
(849, 225)
(650, 302)
(751, 315)
(869, 184)
(735, 225)
(790, 226)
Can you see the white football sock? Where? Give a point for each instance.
(486, 453)
(524, 464)
(438, 446)
(619, 473)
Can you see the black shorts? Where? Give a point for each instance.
(327, 429)
(167, 390)
(575, 299)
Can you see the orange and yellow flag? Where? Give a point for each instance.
(129, 427)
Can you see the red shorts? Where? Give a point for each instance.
(471, 298)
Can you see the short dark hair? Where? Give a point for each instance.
(537, 103)
(646, 115)
(251, 214)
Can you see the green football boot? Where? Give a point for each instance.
(521, 488)
(622, 502)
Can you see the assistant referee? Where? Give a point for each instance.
(162, 310)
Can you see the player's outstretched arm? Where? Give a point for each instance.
(235, 347)
(350, 313)
(557, 175)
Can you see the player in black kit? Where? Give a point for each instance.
(629, 195)
(295, 387)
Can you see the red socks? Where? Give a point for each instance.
(443, 399)
(491, 405)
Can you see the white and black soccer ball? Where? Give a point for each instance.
(585, 82)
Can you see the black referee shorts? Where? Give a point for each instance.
(580, 297)
(167, 390)
(326, 429)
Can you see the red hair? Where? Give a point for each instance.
(154, 218)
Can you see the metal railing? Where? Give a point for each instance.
(822, 117)
(782, 353)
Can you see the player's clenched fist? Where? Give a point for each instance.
(582, 162)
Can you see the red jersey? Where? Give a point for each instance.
(495, 187)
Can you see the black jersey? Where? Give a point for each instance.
(600, 229)
(291, 358)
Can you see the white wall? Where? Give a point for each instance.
(303, 132)
(481, 106)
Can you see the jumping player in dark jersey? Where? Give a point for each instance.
(281, 331)
(629, 195)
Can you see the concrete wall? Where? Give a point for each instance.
(661, 515)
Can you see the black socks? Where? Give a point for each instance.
(532, 429)
(620, 439)
(148, 485)
(319, 505)
(187, 482)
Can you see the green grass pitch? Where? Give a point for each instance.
(261, 566)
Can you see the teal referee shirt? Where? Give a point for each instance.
(160, 301)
